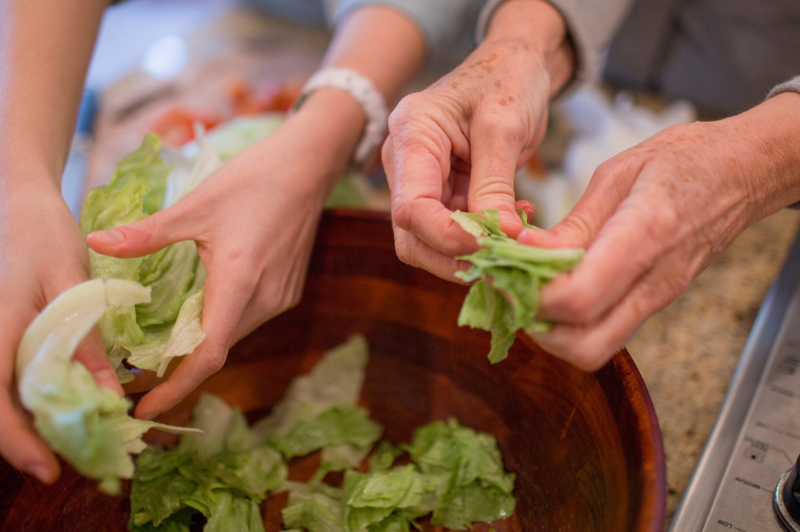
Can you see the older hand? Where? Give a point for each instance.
(42, 254)
(457, 144)
(656, 215)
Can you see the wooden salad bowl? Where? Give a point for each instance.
(586, 447)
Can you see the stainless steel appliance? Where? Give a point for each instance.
(756, 438)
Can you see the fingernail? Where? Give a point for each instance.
(109, 238)
(40, 471)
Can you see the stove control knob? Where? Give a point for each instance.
(786, 501)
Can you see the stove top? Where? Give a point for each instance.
(756, 437)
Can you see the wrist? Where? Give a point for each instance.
(324, 133)
(542, 32)
(20, 175)
(335, 122)
(765, 140)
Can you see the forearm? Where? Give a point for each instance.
(766, 140)
(384, 46)
(44, 56)
(539, 27)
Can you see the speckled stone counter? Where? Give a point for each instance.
(688, 352)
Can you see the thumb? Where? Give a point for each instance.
(147, 235)
(494, 153)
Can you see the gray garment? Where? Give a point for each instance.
(590, 26)
(723, 55)
(793, 85)
(447, 25)
(450, 26)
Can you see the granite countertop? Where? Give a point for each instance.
(687, 352)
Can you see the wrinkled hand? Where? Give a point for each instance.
(42, 254)
(658, 214)
(457, 145)
(254, 222)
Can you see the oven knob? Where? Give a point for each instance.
(787, 499)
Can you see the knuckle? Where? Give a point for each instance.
(144, 229)
(493, 186)
(215, 358)
(401, 213)
(585, 309)
(592, 358)
(402, 246)
(576, 223)
(408, 109)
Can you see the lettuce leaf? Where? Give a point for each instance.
(314, 508)
(333, 427)
(508, 275)
(335, 381)
(222, 474)
(87, 425)
(466, 471)
(149, 335)
(372, 498)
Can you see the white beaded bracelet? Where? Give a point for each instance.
(367, 96)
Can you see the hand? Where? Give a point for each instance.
(254, 222)
(42, 254)
(658, 214)
(457, 145)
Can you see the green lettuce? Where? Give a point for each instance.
(87, 425)
(465, 469)
(314, 508)
(396, 495)
(231, 138)
(334, 383)
(222, 474)
(456, 474)
(149, 335)
(508, 276)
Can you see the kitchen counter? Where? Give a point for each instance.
(688, 351)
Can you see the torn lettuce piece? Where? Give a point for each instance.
(170, 274)
(508, 275)
(149, 334)
(181, 339)
(473, 503)
(466, 470)
(222, 475)
(158, 490)
(87, 425)
(314, 508)
(401, 492)
(335, 381)
(232, 513)
(334, 427)
(177, 522)
(383, 457)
